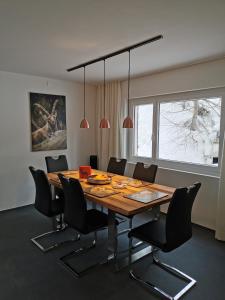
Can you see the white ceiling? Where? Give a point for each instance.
(46, 37)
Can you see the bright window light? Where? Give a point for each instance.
(189, 131)
(143, 130)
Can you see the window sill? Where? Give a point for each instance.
(214, 174)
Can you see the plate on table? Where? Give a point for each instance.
(138, 183)
(100, 191)
(119, 184)
(146, 196)
(99, 179)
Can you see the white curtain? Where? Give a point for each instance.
(220, 217)
(110, 142)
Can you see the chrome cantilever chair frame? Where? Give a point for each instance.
(190, 281)
(61, 228)
(76, 252)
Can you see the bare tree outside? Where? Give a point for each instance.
(189, 130)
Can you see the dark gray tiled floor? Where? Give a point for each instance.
(26, 273)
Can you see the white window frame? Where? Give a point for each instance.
(171, 164)
(135, 126)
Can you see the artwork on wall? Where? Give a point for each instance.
(48, 122)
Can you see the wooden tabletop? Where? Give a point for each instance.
(117, 202)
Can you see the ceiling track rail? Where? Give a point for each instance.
(118, 52)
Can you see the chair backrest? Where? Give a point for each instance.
(75, 208)
(116, 165)
(55, 164)
(43, 195)
(178, 220)
(145, 173)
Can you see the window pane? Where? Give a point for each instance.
(143, 130)
(189, 130)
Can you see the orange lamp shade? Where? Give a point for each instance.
(84, 171)
(84, 123)
(128, 123)
(104, 123)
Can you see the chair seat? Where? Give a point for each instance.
(96, 220)
(152, 232)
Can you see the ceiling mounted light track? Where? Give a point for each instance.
(123, 50)
(84, 123)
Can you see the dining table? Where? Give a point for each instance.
(113, 197)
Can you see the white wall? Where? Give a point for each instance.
(195, 77)
(16, 185)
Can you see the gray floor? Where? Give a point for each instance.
(27, 273)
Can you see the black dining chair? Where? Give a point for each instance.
(145, 173)
(47, 206)
(116, 165)
(168, 234)
(148, 174)
(57, 164)
(78, 217)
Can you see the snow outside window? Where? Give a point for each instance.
(182, 131)
(189, 131)
(143, 130)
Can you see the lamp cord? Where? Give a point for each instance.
(104, 88)
(128, 85)
(84, 92)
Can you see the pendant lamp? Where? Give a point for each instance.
(128, 122)
(104, 122)
(84, 123)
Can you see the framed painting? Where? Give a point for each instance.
(48, 122)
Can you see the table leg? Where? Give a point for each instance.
(113, 246)
(156, 212)
(112, 237)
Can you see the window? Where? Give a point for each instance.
(143, 130)
(189, 130)
(180, 131)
